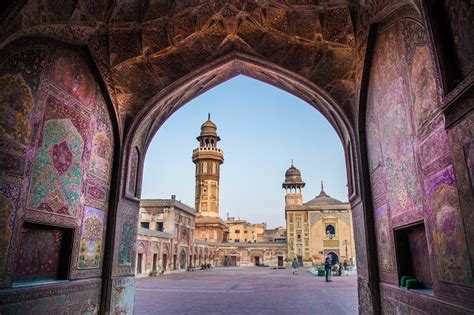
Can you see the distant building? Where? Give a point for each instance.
(319, 228)
(166, 237)
(277, 235)
(240, 231)
(174, 236)
(252, 254)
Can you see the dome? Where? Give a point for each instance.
(323, 199)
(292, 172)
(208, 129)
(208, 124)
(293, 177)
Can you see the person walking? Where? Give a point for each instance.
(345, 268)
(340, 269)
(327, 268)
(294, 266)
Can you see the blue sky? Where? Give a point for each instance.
(261, 128)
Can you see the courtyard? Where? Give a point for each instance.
(245, 291)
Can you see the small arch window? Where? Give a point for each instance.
(330, 231)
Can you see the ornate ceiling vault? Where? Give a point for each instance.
(141, 46)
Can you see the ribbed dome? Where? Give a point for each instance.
(208, 129)
(208, 124)
(292, 172)
(293, 177)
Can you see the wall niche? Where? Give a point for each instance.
(412, 254)
(44, 256)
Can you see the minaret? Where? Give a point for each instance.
(292, 185)
(208, 159)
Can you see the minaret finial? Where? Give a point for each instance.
(291, 162)
(322, 186)
(208, 116)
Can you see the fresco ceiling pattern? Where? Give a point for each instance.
(143, 46)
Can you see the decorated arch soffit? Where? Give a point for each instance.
(169, 100)
(142, 47)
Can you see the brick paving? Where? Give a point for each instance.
(256, 291)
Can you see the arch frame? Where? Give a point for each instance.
(167, 101)
(160, 107)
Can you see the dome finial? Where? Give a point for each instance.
(291, 162)
(322, 193)
(208, 116)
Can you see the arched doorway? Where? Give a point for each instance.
(333, 257)
(164, 259)
(182, 259)
(175, 258)
(141, 259)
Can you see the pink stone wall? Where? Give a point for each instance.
(56, 145)
(411, 168)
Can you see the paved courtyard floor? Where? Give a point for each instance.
(245, 291)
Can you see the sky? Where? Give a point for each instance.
(262, 128)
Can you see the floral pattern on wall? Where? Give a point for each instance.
(127, 241)
(9, 196)
(57, 172)
(91, 238)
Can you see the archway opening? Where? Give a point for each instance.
(271, 247)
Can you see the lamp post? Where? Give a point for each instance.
(346, 242)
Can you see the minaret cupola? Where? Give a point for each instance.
(208, 136)
(293, 185)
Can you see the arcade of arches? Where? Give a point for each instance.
(85, 84)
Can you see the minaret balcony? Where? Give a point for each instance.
(207, 149)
